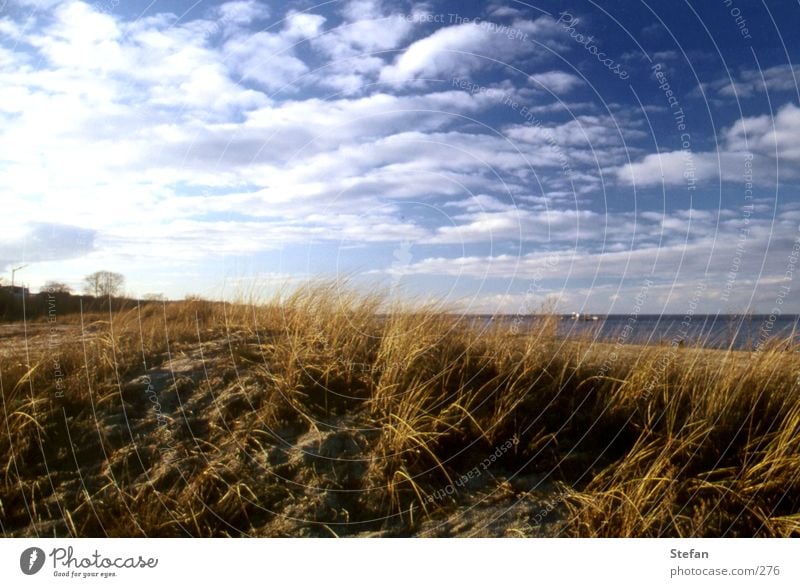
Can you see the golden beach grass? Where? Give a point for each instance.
(322, 413)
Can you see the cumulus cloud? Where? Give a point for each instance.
(557, 82)
(269, 58)
(455, 50)
(462, 49)
(671, 167)
(678, 251)
(356, 47)
(241, 12)
(241, 130)
(751, 82)
(771, 136)
(760, 148)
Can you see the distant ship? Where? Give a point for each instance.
(583, 317)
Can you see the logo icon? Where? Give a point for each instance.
(401, 263)
(31, 560)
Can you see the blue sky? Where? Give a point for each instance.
(498, 157)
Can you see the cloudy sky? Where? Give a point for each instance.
(497, 156)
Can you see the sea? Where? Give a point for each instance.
(720, 331)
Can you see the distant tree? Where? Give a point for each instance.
(56, 287)
(104, 283)
(155, 297)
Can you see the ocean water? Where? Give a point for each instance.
(745, 332)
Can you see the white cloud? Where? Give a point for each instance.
(265, 58)
(454, 50)
(81, 37)
(665, 55)
(356, 10)
(750, 82)
(269, 58)
(355, 48)
(500, 11)
(581, 131)
(481, 203)
(518, 224)
(777, 136)
(762, 146)
(242, 12)
(557, 82)
(167, 139)
(461, 49)
(672, 168)
(300, 26)
(685, 240)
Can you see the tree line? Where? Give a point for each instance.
(102, 290)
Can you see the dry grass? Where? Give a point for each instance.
(321, 413)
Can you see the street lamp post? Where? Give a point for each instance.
(14, 272)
